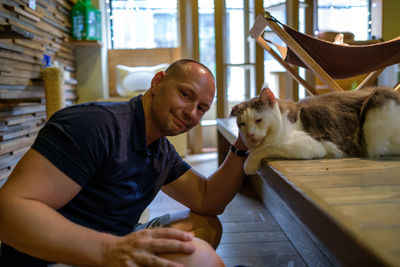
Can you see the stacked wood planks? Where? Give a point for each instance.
(27, 34)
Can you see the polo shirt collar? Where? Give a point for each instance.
(139, 129)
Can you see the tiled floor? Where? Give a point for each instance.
(251, 236)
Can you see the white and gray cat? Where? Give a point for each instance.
(364, 123)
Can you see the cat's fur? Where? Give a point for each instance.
(341, 124)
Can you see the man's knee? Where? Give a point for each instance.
(208, 228)
(204, 253)
(215, 224)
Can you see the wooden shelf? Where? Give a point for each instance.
(9, 31)
(22, 97)
(328, 207)
(86, 43)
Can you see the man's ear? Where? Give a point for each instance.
(158, 77)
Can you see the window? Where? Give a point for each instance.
(273, 71)
(277, 8)
(239, 52)
(142, 23)
(345, 16)
(207, 34)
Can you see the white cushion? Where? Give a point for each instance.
(133, 80)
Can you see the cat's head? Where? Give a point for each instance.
(258, 118)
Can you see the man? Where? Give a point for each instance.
(77, 194)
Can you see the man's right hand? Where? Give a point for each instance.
(141, 248)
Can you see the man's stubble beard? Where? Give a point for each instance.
(164, 122)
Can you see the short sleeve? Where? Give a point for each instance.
(77, 140)
(179, 166)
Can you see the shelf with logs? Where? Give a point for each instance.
(85, 43)
(27, 33)
(10, 31)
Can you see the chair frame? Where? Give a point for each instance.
(262, 21)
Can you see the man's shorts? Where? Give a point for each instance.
(157, 222)
(163, 221)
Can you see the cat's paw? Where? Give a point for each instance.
(332, 151)
(250, 167)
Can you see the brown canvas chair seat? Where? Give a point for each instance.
(328, 61)
(343, 61)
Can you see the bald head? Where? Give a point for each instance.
(182, 66)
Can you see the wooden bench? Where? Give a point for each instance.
(337, 212)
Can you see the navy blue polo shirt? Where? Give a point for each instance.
(102, 147)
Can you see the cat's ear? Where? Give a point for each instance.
(236, 110)
(267, 97)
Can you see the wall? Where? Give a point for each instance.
(22, 102)
(90, 75)
(390, 21)
(91, 65)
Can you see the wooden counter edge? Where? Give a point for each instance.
(343, 244)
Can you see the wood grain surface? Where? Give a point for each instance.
(351, 205)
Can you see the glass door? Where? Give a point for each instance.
(274, 73)
(239, 61)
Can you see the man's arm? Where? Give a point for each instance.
(210, 196)
(28, 217)
(30, 223)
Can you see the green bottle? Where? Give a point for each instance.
(86, 21)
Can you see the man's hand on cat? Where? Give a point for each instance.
(142, 248)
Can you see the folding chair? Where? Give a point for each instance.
(327, 60)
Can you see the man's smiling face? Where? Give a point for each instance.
(180, 102)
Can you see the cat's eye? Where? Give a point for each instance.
(242, 124)
(258, 121)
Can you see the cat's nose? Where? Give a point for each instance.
(250, 134)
